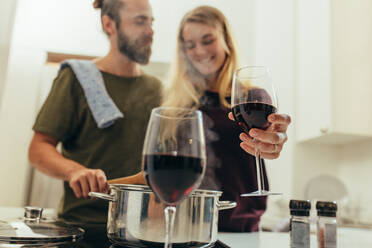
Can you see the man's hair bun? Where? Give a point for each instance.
(98, 4)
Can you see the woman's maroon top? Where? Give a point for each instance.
(229, 168)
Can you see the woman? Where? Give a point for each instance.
(202, 74)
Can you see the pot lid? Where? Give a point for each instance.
(144, 188)
(32, 229)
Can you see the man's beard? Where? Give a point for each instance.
(138, 50)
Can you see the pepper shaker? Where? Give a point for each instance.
(299, 224)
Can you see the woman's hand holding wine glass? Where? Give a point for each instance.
(254, 106)
(270, 141)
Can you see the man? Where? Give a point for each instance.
(90, 154)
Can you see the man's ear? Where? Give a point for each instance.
(108, 25)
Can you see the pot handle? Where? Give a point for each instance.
(222, 205)
(103, 196)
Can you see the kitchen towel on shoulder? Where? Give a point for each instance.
(103, 108)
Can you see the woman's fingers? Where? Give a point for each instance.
(249, 149)
(266, 155)
(231, 116)
(281, 128)
(267, 150)
(244, 137)
(267, 136)
(280, 119)
(269, 142)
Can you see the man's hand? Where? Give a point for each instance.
(270, 141)
(83, 181)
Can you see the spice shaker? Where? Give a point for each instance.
(326, 224)
(299, 224)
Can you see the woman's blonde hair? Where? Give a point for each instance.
(187, 85)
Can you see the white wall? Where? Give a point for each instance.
(74, 26)
(16, 118)
(355, 169)
(63, 26)
(7, 13)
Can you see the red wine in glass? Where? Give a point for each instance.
(172, 177)
(253, 115)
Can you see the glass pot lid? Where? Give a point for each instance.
(32, 228)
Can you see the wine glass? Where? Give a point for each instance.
(253, 100)
(174, 158)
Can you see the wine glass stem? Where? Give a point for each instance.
(262, 175)
(170, 213)
(258, 170)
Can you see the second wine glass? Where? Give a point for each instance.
(253, 100)
(174, 158)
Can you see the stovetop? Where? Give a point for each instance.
(218, 244)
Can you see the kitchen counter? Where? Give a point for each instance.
(347, 237)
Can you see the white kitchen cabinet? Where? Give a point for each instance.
(334, 71)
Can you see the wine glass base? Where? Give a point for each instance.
(260, 193)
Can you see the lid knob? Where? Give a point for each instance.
(33, 213)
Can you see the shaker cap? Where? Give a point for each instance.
(300, 207)
(327, 209)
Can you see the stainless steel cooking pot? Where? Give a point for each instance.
(136, 217)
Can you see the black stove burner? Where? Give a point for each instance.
(218, 244)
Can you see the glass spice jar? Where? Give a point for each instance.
(326, 224)
(299, 224)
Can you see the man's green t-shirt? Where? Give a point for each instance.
(117, 149)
